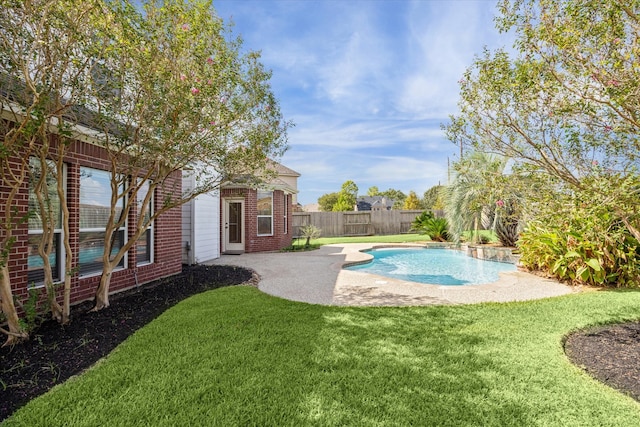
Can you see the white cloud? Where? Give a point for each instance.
(367, 83)
(443, 42)
(400, 169)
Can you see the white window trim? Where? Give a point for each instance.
(61, 249)
(124, 228)
(258, 216)
(286, 212)
(151, 230)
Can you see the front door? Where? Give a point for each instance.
(233, 226)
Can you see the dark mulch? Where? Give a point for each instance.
(55, 353)
(611, 354)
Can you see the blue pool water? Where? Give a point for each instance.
(432, 266)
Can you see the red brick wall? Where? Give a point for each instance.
(17, 258)
(253, 242)
(167, 232)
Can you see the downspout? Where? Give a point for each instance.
(192, 232)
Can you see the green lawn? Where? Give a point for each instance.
(238, 357)
(396, 238)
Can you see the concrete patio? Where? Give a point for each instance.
(317, 277)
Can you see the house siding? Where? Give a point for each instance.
(167, 231)
(207, 227)
(188, 182)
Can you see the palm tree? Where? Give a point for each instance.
(471, 198)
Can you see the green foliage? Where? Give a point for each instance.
(346, 197)
(327, 201)
(344, 203)
(433, 199)
(417, 222)
(507, 222)
(472, 191)
(436, 228)
(564, 100)
(373, 191)
(582, 242)
(32, 315)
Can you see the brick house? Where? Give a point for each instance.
(256, 220)
(155, 255)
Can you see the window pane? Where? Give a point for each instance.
(264, 225)
(35, 265)
(50, 197)
(95, 198)
(265, 202)
(142, 193)
(143, 248)
(91, 249)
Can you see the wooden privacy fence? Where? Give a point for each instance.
(363, 223)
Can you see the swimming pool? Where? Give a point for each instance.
(432, 266)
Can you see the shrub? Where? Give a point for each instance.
(418, 222)
(583, 247)
(507, 222)
(310, 232)
(436, 228)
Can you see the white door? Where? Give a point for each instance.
(233, 226)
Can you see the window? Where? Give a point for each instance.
(286, 211)
(35, 263)
(144, 245)
(265, 213)
(95, 202)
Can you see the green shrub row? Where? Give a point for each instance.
(582, 246)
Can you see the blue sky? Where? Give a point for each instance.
(366, 82)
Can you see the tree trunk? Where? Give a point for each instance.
(102, 293)
(66, 299)
(56, 310)
(15, 333)
(66, 241)
(625, 219)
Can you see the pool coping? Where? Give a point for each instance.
(317, 277)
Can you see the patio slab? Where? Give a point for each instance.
(317, 277)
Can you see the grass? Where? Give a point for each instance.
(236, 357)
(487, 235)
(395, 238)
(299, 244)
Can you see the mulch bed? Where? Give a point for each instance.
(610, 354)
(54, 353)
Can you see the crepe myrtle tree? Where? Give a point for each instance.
(566, 100)
(14, 173)
(43, 60)
(177, 94)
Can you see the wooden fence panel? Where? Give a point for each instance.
(357, 224)
(363, 223)
(300, 219)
